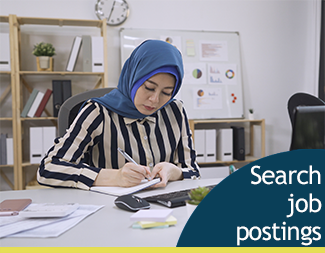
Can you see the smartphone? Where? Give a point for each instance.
(10, 207)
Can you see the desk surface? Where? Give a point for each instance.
(108, 227)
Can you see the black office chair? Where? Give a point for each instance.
(301, 99)
(308, 130)
(70, 108)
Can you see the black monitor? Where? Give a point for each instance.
(308, 128)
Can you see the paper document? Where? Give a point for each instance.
(158, 215)
(119, 191)
(48, 210)
(44, 227)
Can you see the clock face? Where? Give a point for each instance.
(115, 11)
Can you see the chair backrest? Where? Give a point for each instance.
(308, 130)
(70, 108)
(301, 99)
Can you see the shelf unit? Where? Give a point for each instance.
(250, 157)
(18, 82)
(11, 88)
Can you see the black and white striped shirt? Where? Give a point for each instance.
(91, 142)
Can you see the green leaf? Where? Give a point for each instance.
(43, 49)
(198, 194)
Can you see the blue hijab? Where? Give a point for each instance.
(149, 58)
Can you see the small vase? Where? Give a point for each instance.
(251, 116)
(44, 63)
(190, 209)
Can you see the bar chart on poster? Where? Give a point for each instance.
(212, 83)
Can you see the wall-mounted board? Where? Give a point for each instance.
(212, 84)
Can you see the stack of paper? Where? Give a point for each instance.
(18, 226)
(160, 218)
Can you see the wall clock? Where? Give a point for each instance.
(115, 11)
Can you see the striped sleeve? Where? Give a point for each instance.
(65, 164)
(185, 155)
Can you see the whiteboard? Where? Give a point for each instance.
(212, 83)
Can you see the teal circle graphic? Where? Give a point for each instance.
(263, 204)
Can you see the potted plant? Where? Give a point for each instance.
(44, 52)
(250, 114)
(196, 196)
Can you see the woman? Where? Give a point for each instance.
(141, 117)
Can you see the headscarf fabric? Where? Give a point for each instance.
(149, 58)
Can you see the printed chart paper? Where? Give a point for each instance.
(195, 73)
(222, 73)
(174, 40)
(213, 51)
(207, 98)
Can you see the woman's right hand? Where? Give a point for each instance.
(131, 174)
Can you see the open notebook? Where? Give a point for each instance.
(119, 191)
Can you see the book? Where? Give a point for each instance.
(10, 151)
(86, 53)
(119, 191)
(35, 104)
(3, 149)
(49, 134)
(210, 145)
(153, 215)
(41, 140)
(5, 52)
(171, 220)
(61, 92)
(74, 53)
(66, 90)
(97, 53)
(43, 103)
(57, 96)
(29, 103)
(35, 144)
(199, 140)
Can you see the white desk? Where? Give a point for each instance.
(108, 227)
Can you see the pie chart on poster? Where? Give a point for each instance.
(230, 74)
(197, 73)
(200, 93)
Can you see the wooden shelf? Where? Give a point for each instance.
(4, 19)
(5, 72)
(245, 122)
(59, 22)
(248, 159)
(26, 164)
(39, 118)
(6, 166)
(63, 73)
(225, 121)
(16, 83)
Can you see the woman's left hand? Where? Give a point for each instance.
(167, 172)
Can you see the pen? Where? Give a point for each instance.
(10, 213)
(127, 157)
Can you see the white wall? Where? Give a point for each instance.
(278, 44)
